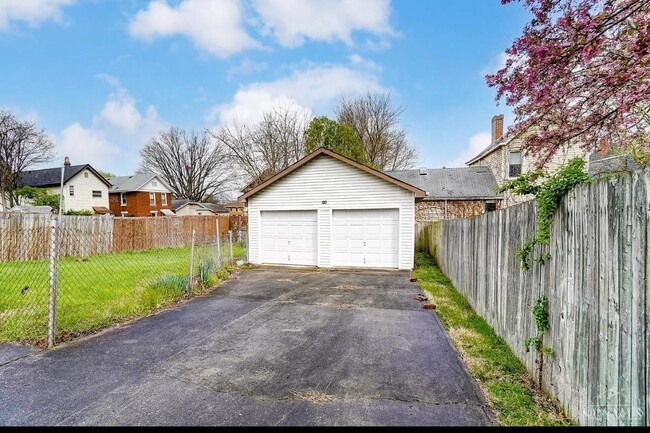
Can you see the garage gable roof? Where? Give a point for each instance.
(323, 151)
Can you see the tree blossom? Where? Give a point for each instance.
(580, 72)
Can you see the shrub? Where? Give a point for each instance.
(84, 212)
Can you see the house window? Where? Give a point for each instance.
(490, 207)
(152, 198)
(71, 188)
(122, 199)
(125, 214)
(86, 174)
(154, 183)
(514, 164)
(163, 199)
(97, 194)
(153, 213)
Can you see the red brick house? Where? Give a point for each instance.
(140, 195)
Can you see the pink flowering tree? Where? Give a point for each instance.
(580, 72)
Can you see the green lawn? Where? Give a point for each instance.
(507, 384)
(101, 290)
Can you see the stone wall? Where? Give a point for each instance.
(431, 210)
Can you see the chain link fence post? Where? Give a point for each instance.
(189, 282)
(53, 282)
(232, 257)
(218, 245)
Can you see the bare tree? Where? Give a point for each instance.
(261, 150)
(376, 121)
(194, 165)
(22, 145)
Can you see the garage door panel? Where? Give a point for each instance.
(289, 237)
(366, 238)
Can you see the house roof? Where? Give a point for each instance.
(491, 148)
(133, 183)
(323, 151)
(215, 207)
(52, 176)
(101, 210)
(179, 204)
(235, 204)
(462, 183)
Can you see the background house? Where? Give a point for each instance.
(83, 188)
(140, 195)
(452, 192)
(505, 157)
(236, 208)
(187, 207)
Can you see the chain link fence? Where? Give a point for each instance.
(60, 282)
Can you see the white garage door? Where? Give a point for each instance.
(289, 238)
(366, 238)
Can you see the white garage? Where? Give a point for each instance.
(329, 211)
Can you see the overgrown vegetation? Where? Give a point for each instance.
(82, 212)
(540, 316)
(510, 389)
(548, 190)
(99, 291)
(38, 196)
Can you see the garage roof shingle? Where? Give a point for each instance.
(451, 183)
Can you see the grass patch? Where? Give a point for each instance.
(100, 291)
(507, 384)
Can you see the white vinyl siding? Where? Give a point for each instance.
(83, 192)
(327, 185)
(155, 185)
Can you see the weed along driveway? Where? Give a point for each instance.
(269, 347)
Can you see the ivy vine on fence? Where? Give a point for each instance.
(540, 315)
(548, 190)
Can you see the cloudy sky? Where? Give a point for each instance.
(101, 76)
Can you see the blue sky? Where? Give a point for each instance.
(102, 76)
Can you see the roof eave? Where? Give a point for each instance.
(323, 151)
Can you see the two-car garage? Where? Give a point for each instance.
(329, 211)
(360, 238)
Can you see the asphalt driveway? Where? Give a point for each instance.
(270, 347)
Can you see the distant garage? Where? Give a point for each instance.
(329, 211)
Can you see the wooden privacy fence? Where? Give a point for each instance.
(27, 236)
(597, 285)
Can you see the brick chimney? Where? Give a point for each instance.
(497, 127)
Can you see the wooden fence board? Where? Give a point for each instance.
(596, 281)
(26, 236)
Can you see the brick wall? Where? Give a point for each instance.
(137, 204)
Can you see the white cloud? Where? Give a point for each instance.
(496, 64)
(121, 112)
(33, 12)
(215, 27)
(109, 79)
(314, 87)
(246, 67)
(292, 22)
(114, 136)
(476, 144)
(85, 146)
